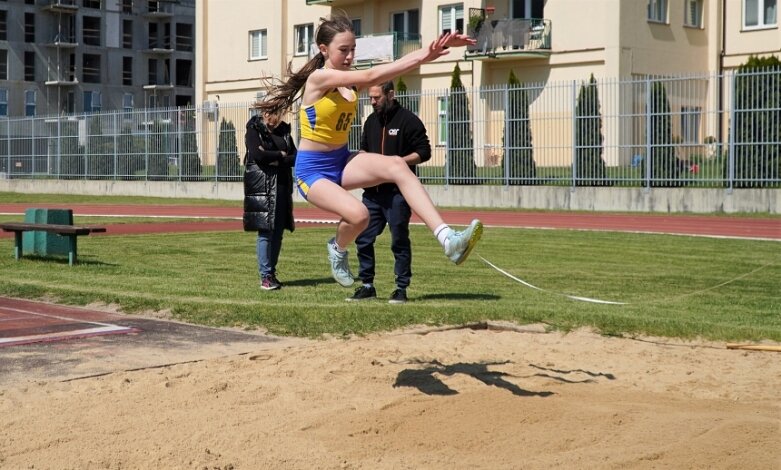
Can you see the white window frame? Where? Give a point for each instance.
(442, 104)
(405, 15)
(657, 11)
(452, 13)
(762, 20)
(128, 107)
(304, 36)
(4, 102)
(258, 44)
(95, 104)
(693, 13)
(691, 118)
(30, 97)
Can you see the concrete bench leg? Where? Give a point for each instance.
(17, 245)
(72, 251)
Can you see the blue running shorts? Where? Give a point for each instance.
(311, 166)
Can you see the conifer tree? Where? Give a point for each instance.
(519, 165)
(460, 158)
(589, 164)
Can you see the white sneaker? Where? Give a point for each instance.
(340, 268)
(460, 244)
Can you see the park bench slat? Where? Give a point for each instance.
(70, 231)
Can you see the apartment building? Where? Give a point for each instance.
(84, 56)
(551, 44)
(539, 40)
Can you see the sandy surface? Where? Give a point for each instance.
(447, 399)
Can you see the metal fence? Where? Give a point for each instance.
(703, 130)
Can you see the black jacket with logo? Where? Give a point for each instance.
(398, 132)
(267, 174)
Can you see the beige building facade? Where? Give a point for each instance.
(240, 42)
(546, 43)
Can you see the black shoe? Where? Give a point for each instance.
(276, 281)
(399, 296)
(363, 293)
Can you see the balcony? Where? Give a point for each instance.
(60, 6)
(508, 37)
(333, 3)
(381, 48)
(159, 9)
(63, 41)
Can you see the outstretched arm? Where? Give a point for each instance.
(325, 79)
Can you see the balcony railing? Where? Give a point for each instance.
(60, 6)
(387, 47)
(507, 36)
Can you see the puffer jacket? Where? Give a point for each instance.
(267, 174)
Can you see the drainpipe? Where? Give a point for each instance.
(722, 52)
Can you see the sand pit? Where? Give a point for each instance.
(458, 398)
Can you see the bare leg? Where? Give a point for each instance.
(370, 169)
(333, 198)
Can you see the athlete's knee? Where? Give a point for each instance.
(357, 216)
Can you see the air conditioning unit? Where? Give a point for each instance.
(209, 109)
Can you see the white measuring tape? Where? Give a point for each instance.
(573, 297)
(610, 302)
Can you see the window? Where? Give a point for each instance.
(152, 72)
(92, 4)
(29, 66)
(29, 27)
(29, 103)
(356, 26)
(127, 34)
(70, 103)
(304, 36)
(527, 9)
(3, 102)
(153, 41)
(127, 102)
(3, 25)
(657, 11)
(3, 64)
(451, 18)
(127, 6)
(184, 72)
(92, 102)
(442, 120)
(91, 68)
(693, 13)
(258, 44)
(690, 124)
(184, 37)
(759, 13)
(406, 23)
(91, 30)
(127, 71)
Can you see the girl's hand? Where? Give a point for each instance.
(438, 47)
(456, 40)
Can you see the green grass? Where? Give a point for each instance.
(675, 286)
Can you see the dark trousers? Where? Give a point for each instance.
(386, 207)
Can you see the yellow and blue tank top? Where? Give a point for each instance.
(328, 119)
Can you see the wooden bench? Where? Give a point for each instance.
(70, 231)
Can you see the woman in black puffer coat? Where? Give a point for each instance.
(268, 190)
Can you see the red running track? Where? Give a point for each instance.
(705, 225)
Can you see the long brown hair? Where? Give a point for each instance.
(284, 93)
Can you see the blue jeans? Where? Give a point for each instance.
(269, 242)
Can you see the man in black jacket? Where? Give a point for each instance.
(397, 132)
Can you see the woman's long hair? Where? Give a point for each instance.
(284, 93)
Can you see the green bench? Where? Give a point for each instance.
(72, 232)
